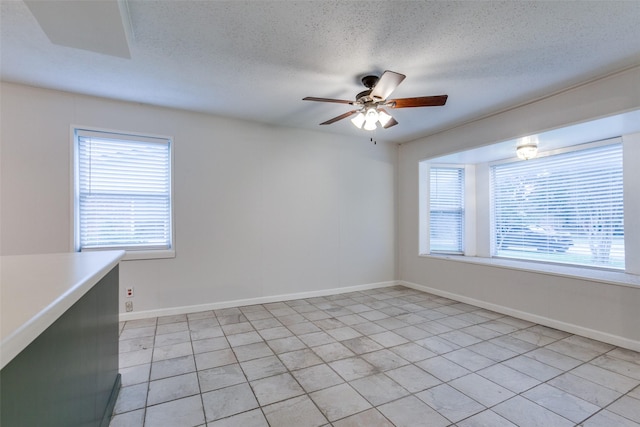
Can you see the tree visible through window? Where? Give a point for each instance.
(565, 208)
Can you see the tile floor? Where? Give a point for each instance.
(385, 357)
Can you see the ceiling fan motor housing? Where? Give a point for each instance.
(370, 81)
(364, 97)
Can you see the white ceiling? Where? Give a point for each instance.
(258, 59)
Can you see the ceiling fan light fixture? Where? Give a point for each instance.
(383, 118)
(358, 120)
(371, 116)
(527, 147)
(370, 125)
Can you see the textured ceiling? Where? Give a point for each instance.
(258, 59)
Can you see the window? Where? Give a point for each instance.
(446, 209)
(123, 193)
(565, 208)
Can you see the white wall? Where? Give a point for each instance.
(259, 210)
(600, 310)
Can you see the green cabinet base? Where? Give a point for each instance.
(68, 376)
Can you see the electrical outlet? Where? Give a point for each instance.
(129, 292)
(128, 306)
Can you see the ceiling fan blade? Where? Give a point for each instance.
(338, 101)
(420, 101)
(387, 83)
(340, 117)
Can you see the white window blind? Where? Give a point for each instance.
(565, 208)
(446, 209)
(123, 192)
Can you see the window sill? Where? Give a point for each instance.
(141, 255)
(592, 274)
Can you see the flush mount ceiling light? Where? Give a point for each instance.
(527, 147)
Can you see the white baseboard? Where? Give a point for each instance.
(250, 301)
(552, 323)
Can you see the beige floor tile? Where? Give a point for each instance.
(131, 398)
(177, 413)
(486, 418)
(333, 351)
(413, 378)
(244, 339)
(481, 389)
(253, 418)
(412, 352)
(275, 333)
(317, 377)
(171, 328)
(135, 374)
(167, 389)
(562, 403)
(228, 401)
(339, 401)
(585, 389)
(353, 368)
(263, 367)
(533, 368)
(361, 345)
(299, 359)
(172, 351)
(524, 413)
(509, 378)
(368, 418)
(619, 366)
(276, 388)
(443, 369)
(252, 351)
(172, 367)
(607, 418)
(299, 411)
(128, 419)
(216, 358)
(384, 359)
(627, 407)
(379, 389)
(220, 377)
(411, 412)
(316, 339)
(450, 403)
(606, 378)
(469, 359)
(555, 359)
(284, 345)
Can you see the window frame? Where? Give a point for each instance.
(130, 253)
(424, 208)
(461, 210)
(478, 240)
(551, 153)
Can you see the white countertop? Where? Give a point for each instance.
(35, 290)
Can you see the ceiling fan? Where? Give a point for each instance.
(372, 101)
